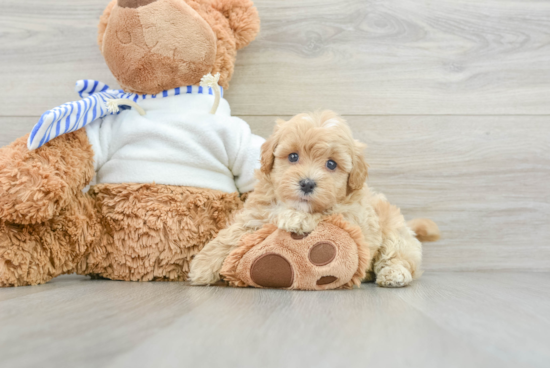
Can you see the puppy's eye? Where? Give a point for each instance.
(293, 157)
(331, 165)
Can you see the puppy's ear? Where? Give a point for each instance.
(359, 170)
(268, 149)
(243, 19)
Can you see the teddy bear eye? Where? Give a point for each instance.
(331, 165)
(293, 157)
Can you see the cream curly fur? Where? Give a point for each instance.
(277, 199)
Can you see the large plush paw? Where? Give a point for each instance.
(393, 276)
(327, 258)
(203, 271)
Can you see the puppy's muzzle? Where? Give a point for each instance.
(307, 186)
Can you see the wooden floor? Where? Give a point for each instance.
(468, 319)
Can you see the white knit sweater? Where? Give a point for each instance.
(177, 142)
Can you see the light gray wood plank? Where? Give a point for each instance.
(398, 57)
(443, 320)
(45, 47)
(355, 56)
(86, 323)
(301, 329)
(14, 127)
(482, 179)
(525, 295)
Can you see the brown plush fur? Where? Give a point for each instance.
(194, 38)
(35, 253)
(151, 232)
(47, 223)
(122, 232)
(349, 265)
(36, 185)
(119, 231)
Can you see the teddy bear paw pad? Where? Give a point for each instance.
(322, 254)
(134, 3)
(325, 280)
(272, 271)
(297, 236)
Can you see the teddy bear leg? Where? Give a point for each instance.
(43, 214)
(150, 232)
(33, 254)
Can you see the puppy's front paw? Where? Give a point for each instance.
(203, 271)
(393, 276)
(298, 222)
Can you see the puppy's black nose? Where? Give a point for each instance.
(307, 185)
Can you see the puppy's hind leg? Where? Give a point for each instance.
(400, 254)
(398, 262)
(205, 267)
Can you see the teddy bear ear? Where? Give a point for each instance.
(243, 19)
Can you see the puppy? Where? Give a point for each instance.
(312, 167)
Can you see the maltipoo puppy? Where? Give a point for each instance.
(312, 167)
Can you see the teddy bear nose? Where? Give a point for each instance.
(134, 3)
(307, 185)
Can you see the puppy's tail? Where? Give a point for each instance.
(425, 229)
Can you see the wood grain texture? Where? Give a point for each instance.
(15, 127)
(484, 180)
(354, 56)
(442, 320)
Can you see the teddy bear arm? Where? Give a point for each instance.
(35, 185)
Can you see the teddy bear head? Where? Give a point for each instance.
(156, 45)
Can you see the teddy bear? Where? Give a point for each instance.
(171, 165)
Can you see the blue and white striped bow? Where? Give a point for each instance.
(72, 116)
